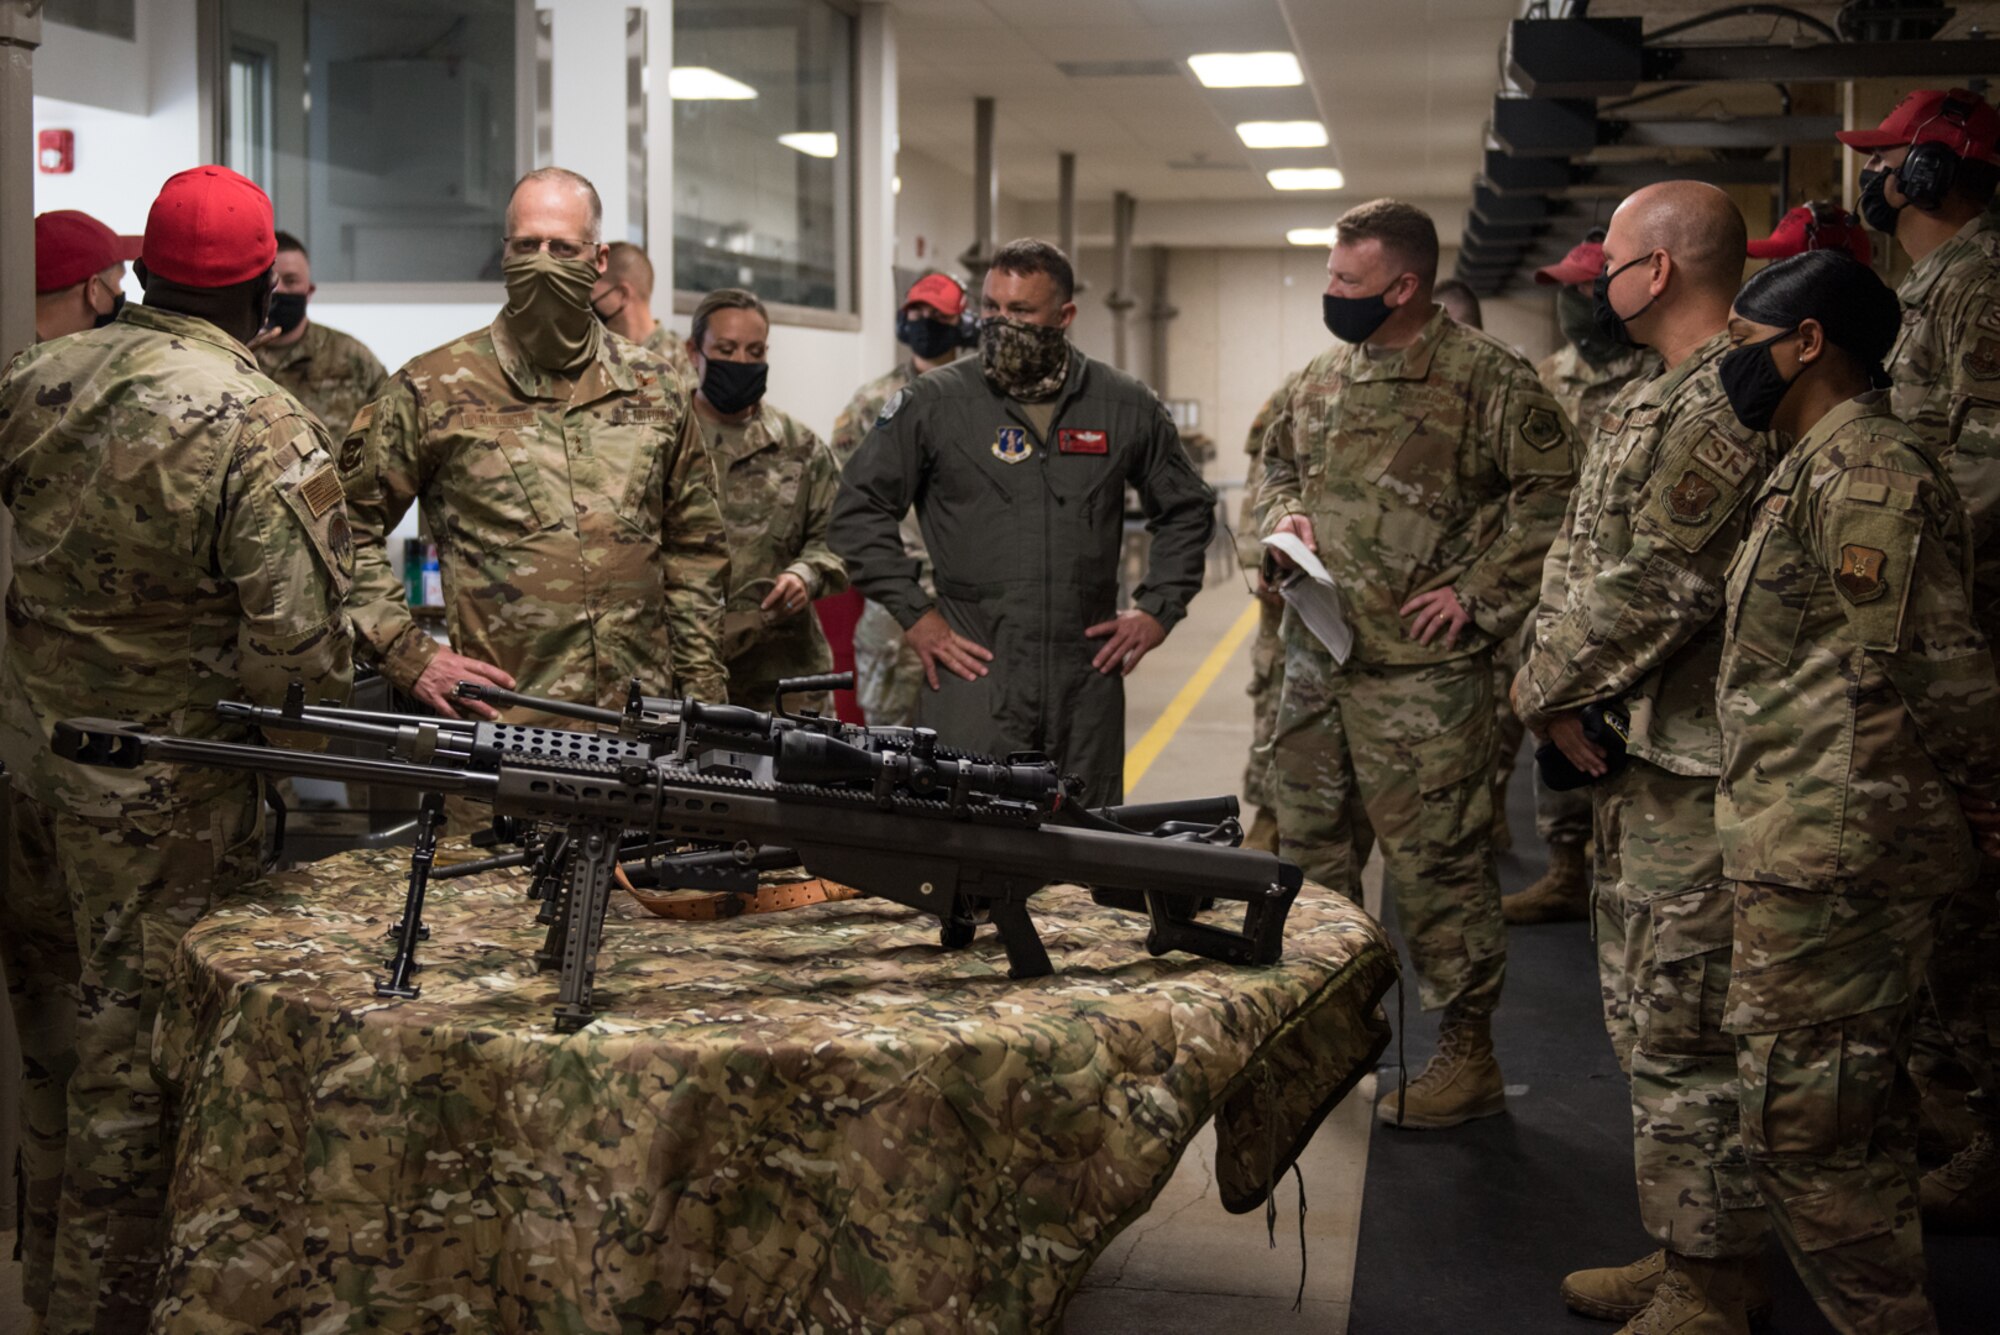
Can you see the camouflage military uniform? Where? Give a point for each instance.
(179, 539)
(1857, 699)
(1631, 604)
(577, 526)
(1444, 464)
(888, 673)
(331, 373)
(1584, 391)
(1946, 373)
(1267, 652)
(671, 348)
(778, 481)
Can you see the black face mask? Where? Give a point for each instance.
(117, 305)
(730, 387)
(929, 339)
(1610, 323)
(1876, 210)
(1753, 383)
(607, 316)
(1354, 319)
(1576, 316)
(288, 311)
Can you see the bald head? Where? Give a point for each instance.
(1697, 225)
(555, 202)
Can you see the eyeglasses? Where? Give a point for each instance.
(523, 246)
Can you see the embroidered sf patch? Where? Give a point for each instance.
(1692, 498)
(1860, 575)
(1541, 429)
(321, 492)
(1070, 441)
(1011, 446)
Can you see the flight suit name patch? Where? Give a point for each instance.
(1011, 446)
(1860, 575)
(1692, 498)
(1069, 441)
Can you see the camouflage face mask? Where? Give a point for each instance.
(548, 309)
(1022, 360)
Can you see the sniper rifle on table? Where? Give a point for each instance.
(886, 811)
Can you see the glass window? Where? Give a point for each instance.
(763, 152)
(390, 126)
(113, 18)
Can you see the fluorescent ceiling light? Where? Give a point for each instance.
(1310, 236)
(813, 143)
(1247, 69)
(699, 83)
(1282, 134)
(1306, 178)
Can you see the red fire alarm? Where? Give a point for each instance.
(55, 152)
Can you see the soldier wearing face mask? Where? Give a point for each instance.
(777, 481)
(1017, 464)
(79, 273)
(1428, 468)
(887, 672)
(623, 299)
(564, 478)
(1931, 177)
(331, 373)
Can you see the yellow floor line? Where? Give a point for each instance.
(1142, 755)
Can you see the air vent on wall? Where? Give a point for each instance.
(1118, 69)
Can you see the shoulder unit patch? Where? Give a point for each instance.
(1541, 429)
(1692, 498)
(1860, 575)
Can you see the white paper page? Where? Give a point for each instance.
(1310, 592)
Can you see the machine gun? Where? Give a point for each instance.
(894, 816)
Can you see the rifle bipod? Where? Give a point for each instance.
(410, 928)
(579, 925)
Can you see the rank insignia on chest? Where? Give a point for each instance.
(1692, 498)
(1860, 573)
(1011, 446)
(1069, 441)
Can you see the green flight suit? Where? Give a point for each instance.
(1024, 528)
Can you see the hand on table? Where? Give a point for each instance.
(441, 676)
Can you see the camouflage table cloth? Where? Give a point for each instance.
(813, 1120)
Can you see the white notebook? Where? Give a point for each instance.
(1309, 591)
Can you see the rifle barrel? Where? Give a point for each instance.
(505, 699)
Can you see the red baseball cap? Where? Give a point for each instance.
(1814, 226)
(1582, 265)
(70, 246)
(1960, 119)
(938, 291)
(209, 228)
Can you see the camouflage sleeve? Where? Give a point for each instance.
(851, 427)
(1180, 516)
(1279, 488)
(697, 568)
(374, 378)
(381, 469)
(1686, 522)
(1973, 424)
(1554, 596)
(1249, 550)
(877, 488)
(824, 573)
(283, 540)
(1907, 598)
(1535, 450)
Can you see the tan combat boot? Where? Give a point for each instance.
(1263, 832)
(1621, 1292)
(1697, 1296)
(1963, 1196)
(1460, 1082)
(1562, 895)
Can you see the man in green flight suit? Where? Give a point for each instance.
(1017, 464)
